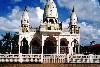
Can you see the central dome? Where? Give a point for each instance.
(50, 9)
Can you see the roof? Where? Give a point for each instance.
(96, 45)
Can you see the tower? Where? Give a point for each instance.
(24, 33)
(50, 17)
(74, 29)
(25, 21)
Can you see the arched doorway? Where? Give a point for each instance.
(76, 46)
(50, 45)
(64, 46)
(24, 46)
(35, 46)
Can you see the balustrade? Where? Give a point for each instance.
(50, 58)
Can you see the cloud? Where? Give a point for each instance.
(43, 1)
(85, 9)
(36, 15)
(88, 32)
(12, 22)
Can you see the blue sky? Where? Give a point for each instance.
(88, 12)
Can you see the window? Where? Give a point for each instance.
(51, 20)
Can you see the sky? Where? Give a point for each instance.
(88, 12)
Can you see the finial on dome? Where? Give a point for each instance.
(49, 0)
(73, 9)
(25, 9)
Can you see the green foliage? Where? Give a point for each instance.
(9, 43)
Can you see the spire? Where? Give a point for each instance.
(25, 15)
(73, 23)
(25, 9)
(49, 0)
(25, 20)
(73, 9)
(73, 18)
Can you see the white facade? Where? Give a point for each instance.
(49, 38)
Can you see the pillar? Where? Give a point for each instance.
(19, 48)
(79, 49)
(29, 47)
(75, 48)
(19, 45)
(42, 49)
(58, 45)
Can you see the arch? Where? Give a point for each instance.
(50, 45)
(51, 20)
(76, 46)
(35, 46)
(75, 41)
(64, 46)
(46, 20)
(24, 46)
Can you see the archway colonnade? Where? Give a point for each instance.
(54, 45)
(48, 45)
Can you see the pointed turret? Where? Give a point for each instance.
(73, 18)
(73, 23)
(25, 21)
(25, 15)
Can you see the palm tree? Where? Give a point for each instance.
(6, 42)
(9, 43)
(15, 44)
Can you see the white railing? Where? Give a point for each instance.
(54, 58)
(20, 58)
(50, 58)
(9, 57)
(84, 58)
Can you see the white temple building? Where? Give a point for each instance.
(50, 42)
(50, 37)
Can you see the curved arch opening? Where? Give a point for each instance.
(35, 46)
(51, 20)
(64, 46)
(24, 46)
(76, 46)
(50, 45)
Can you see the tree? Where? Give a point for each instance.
(15, 44)
(9, 43)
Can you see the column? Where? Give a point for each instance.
(69, 48)
(42, 43)
(19, 46)
(29, 47)
(75, 48)
(42, 49)
(19, 49)
(58, 45)
(79, 49)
